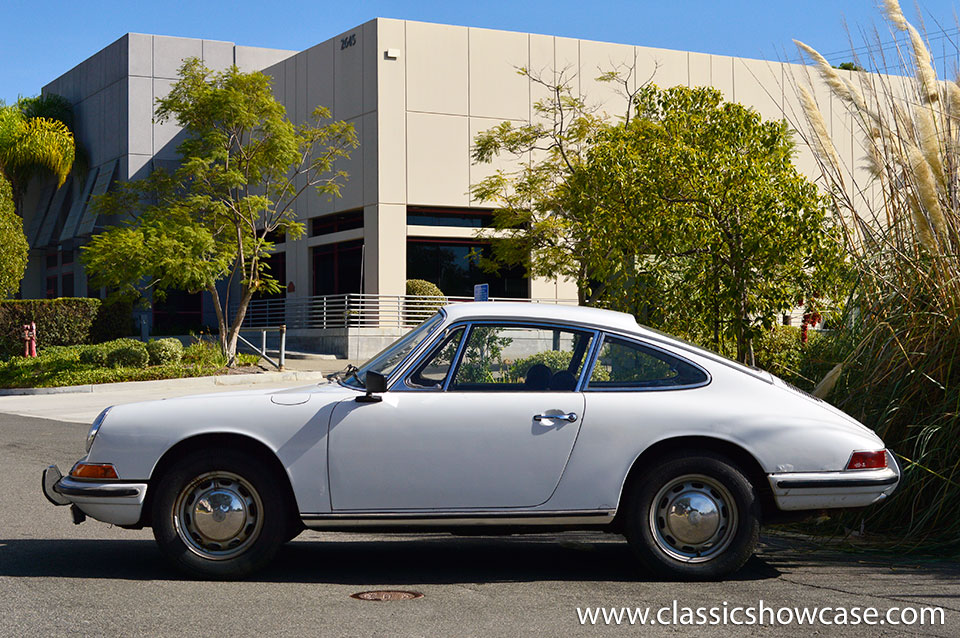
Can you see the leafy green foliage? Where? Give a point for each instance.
(416, 311)
(13, 255)
(482, 355)
(244, 166)
(83, 364)
(62, 321)
(30, 144)
(114, 320)
(690, 215)
(132, 355)
(554, 359)
(163, 351)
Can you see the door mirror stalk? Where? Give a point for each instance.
(374, 382)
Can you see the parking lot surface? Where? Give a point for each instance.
(60, 579)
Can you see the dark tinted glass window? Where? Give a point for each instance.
(624, 364)
(337, 268)
(329, 224)
(417, 216)
(447, 263)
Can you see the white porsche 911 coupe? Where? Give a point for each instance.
(486, 418)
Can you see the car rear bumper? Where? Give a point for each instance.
(828, 490)
(115, 502)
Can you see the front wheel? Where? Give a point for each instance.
(693, 517)
(219, 515)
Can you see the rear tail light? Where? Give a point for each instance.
(94, 471)
(868, 460)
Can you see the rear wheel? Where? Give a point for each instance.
(219, 515)
(693, 517)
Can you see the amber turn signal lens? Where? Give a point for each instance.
(868, 460)
(94, 471)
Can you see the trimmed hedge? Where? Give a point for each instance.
(163, 351)
(132, 355)
(64, 321)
(114, 320)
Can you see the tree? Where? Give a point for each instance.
(704, 217)
(547, 238)
(33, 138)
(689, 215)
(244, 166)
(13, 245)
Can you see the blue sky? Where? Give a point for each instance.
(41, 39)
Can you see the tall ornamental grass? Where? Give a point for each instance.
(900, 212)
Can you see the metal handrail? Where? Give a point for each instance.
(355, 310)
(262, 350)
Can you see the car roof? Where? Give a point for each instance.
(544, 311)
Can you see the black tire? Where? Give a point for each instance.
(710, 540)
(245, 496)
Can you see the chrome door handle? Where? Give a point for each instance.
(570, 418)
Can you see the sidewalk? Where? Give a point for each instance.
(83, 403)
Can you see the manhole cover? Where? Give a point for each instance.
(387, 595)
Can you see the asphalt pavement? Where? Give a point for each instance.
(57, 578)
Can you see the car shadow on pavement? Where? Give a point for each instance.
(396, 559)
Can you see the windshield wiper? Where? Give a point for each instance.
(346, 373)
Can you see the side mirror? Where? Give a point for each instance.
(374, 382)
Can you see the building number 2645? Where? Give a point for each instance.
(348, 42)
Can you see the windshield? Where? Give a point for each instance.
(387, 360)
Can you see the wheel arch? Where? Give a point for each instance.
(214, 440)
(744, 460)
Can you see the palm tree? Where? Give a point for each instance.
(30, 142)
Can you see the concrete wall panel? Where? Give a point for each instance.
(505, 161)
(368, 151)
(759, 84)
(348, 74)
(352, 191)
(496, 89)
(217, 55)
(140, 110)
(168, 135)
(257, 59)
(438, 159)
(437, 68)
(721, 75)
(114, 116)
(169, 54)
(371, 54)
(140, 54)
(597, 58)
(663, 67)
(699, 69)
(391, 149)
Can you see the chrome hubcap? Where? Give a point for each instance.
(218, 515)
(693, 518)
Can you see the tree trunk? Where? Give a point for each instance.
(221, 319)
(233, 332)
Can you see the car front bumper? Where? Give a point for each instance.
(115, 502)
(830, 490)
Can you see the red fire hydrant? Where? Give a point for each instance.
(30, 339)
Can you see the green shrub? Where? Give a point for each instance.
(114, 320)
(204, 354)
(554, 359)
(95, 355)
(60, 322)
(132, 355)
(423, 288)
(416, 310)
(163, 351)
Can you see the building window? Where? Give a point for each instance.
(464, 217)
(51, 287)
(66, 257)
(329, 224)
(66, 285)
(179, 313)
(51, 259)
(446, 262)
(337, 268)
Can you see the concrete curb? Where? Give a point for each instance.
(199, 382)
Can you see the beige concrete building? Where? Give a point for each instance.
(417, 94)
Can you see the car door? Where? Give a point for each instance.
(486, 419)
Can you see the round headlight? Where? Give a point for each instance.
(97, 422)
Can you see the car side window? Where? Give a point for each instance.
(516, 358)
(432, 372)
(626, 365)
